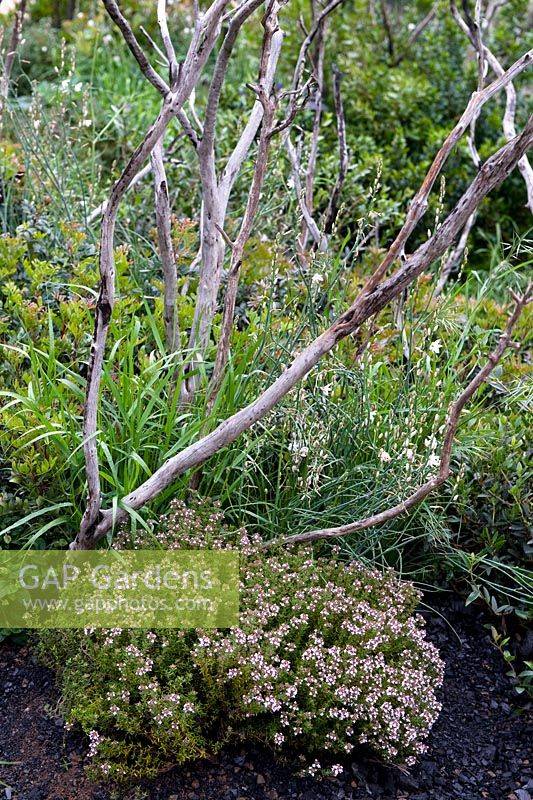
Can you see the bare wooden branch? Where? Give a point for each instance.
(241, 149)
(310, 222)
(194, 115)
(305, 194)
(299, 99)
(166, 249)
(173, 66)
(104, 309)
(366, 305)
(219, 73)
(214, 205)
(270, 23)
(418, 205)
(444, 467)
(509, 128)
(155, 46)
(492, 9)
(201, 45)
(473, 31)
(318, 98)
(475, 28)
(388, 27)
(216, 192)
(146, 68)
(302, 55)
(331, 211)
(97, 212)
(129, 37)
(490, 175)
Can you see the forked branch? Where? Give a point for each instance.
(418, 205)
(472, 29)
(268, 101)
(202, 43)
(509, 128)
(366, 305)
(377, 293)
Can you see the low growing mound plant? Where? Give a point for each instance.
(329, 658)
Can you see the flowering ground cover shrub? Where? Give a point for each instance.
(329, 658)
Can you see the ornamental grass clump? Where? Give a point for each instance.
(329, 659)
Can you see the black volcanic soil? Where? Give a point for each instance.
(481, 747)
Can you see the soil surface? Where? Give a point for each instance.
(481, 746)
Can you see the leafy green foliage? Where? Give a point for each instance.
(79, 109)
(522, 678)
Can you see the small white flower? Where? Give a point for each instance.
(409, 454)
(435, 346)
(433, 460)
(87, 123)
(317, 279)
(384, 456)
(7, 6)
(78, 86)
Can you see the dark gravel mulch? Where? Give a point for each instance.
(481, 747)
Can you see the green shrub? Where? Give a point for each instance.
(491, 511)
(38, 55)
(328, 657)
